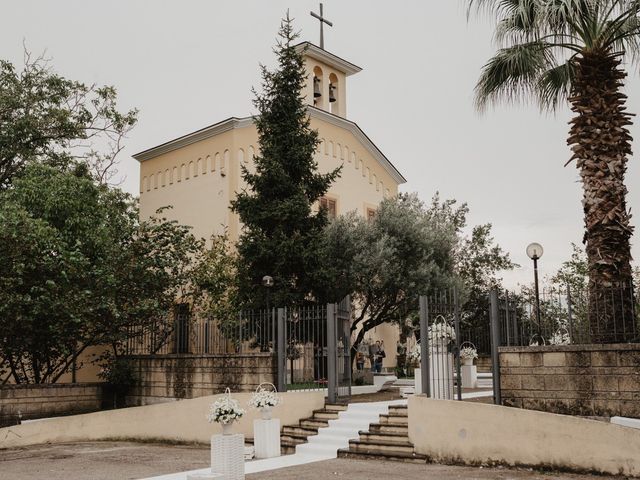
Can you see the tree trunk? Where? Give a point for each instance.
(600, 142)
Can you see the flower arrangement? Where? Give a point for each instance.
(263, 398)
(561, 337)
(468, 353)
(441, 331)
(414, 355)
(225, 410)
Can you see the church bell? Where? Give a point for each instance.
(316, 87)
(332, 89)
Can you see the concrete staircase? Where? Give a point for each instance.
(386, 440)
(293, 435)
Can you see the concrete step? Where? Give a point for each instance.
(389, 438)
(325, 414)
(335, 407)
(389, 428)
(396, 457)
(394, 418)
(293, 439)
(382, 448)
(298, 430)
(398, 410)
(313, 423)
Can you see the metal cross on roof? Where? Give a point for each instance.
(322, 22)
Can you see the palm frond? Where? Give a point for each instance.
(512, 74)
(554, 85)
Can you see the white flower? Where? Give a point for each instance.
(225, 410)
(441, 331)
(560, 338)
(264, 398)
(468, 353)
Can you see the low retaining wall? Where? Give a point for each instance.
(167, 377)
(45, 400)
(475, 433)
(589, 380)
(183, 421)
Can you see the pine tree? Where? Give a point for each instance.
(282, 231)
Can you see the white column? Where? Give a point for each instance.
(227, 456)
(266, 438)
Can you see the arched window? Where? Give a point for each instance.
(225, 162)
(369, 174)
(167, 178)
(207, 164)
(353, 158)
(334, 95)
(318, 88)
(189, 170)
(183, 172)
(375, 182)
(339, 151)
(332, 152)
(144, 183)
(198, 167)
(252, 154)
(174, 175)
(150, 184)
(216, 162)
(241, 157)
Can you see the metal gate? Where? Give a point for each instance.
(440, 346)
(314, 348)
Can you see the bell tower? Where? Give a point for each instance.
(326, 79)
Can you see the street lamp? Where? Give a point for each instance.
(534, 252)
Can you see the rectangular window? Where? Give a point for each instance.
(371, 214)
(330, 206)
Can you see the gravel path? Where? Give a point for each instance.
(129, 460)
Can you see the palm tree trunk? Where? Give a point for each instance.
(600, 142)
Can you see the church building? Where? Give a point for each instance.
(199, 174)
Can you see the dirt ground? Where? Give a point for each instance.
(129, 460)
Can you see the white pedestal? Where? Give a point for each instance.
(469, 374)
(205, 476)
(441, 379)
(227, 456)
(266, 438)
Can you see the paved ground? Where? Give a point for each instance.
(99, 461)
(128, 460)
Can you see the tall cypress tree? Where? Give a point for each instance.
(282, 232)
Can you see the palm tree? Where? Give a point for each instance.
(552, 51)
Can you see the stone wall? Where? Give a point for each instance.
(591, 380)
(167, 377)
(47, 400)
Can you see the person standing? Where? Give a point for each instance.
(379, 356)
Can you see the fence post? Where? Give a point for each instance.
(495, 342)
(425, 374)
(570, 313)
(332, 346)
(456, 311)
(282, 358)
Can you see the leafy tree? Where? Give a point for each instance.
(78, 269)
(47, 118)
(557, 50)
(405, 251)
(281, 235)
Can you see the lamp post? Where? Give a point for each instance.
(267, 283)
(534, 252)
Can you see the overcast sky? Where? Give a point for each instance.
(188, 64)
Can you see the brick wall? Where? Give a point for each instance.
(47, 400)
(591, 380)
(167, 377)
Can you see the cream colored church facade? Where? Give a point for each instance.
(199, 174)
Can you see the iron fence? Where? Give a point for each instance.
(589, 315)
(248, 331)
